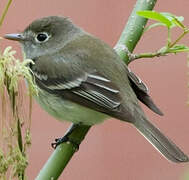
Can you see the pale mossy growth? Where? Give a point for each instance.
(15, 114)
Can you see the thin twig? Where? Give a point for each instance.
(5, 12)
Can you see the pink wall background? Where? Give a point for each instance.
(114, 150)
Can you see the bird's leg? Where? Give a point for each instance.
(66, 138)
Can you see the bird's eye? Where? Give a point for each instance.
(42, 37)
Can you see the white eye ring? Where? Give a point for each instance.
(42, 37)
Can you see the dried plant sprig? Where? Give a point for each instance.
(13, 146)
(14, 69)
(15, 126)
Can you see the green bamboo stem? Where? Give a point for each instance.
(133, 30)
(62, 155)
(127, 42)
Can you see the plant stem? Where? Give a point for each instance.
(129, 38)
(169, 37)
(146, 55)
(178, 39)
(5, 12)
(162, 52)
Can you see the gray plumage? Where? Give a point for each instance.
(83, 80)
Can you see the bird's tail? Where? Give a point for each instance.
(164, 145)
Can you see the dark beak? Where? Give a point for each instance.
(15, 37)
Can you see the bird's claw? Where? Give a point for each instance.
(64, 139)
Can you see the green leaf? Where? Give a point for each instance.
(155, 16)
(172, 16)
(175, 20)
(165, 19)
(178, 48)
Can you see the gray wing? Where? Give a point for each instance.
(141, 91)
(90, 89)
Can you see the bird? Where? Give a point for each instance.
(81, 79)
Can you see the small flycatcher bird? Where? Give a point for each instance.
(82, 80)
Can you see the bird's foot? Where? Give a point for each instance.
(65, 139)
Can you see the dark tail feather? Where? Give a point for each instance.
(147, 100)
(141, 92)
(165, 146)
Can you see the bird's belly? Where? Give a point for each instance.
(68, 111)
